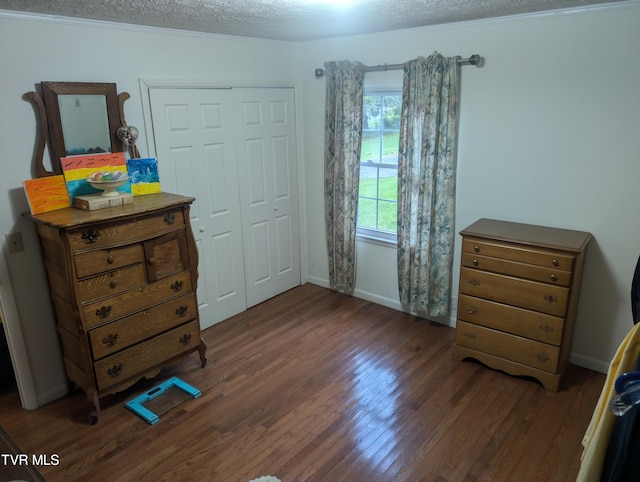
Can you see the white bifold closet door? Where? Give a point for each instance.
(234, 150)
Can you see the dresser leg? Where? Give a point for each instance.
(94, 406)
(202, 351)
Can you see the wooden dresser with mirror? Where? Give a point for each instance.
(122, 279)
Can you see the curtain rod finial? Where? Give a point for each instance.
(319, 73)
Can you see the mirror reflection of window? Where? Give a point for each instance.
(85, 124)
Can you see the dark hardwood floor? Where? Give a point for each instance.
(318, 386)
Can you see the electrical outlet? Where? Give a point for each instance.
(14, 242)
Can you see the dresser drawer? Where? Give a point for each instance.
(510, 319)
(514, 268)
(522, 254)
(510, 347)
(101, 260)
(514, 291)
(121, 334)
(143, 356)
(136, 300)
(112, 234)
(111, 283)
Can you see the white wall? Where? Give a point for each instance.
(549, 134)
(38, 49)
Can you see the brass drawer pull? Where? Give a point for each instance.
(553, 277)
(113, 283)
(546, 328)
(90, 236)
(475, 262)
(115, 370)
(555, 263)
(185, 339)
(177, 286)
(543, 357)
(110, 340)
(104, 312)
(152, 260)
(169, 218)
(181, 311)
(476, 248)
(550, 299)
(474, 282)
(110, 259)
(471, 311)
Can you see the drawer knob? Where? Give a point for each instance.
(471, 336)
(471, 311)
(169, 218)
(553, 277)
(110, 259)
(113, 283)
(111, 339)
(177, 286)
(476, 248)
(152, 260)
(181, 311)
(543, 357)
(546, 328)
(103, 312)
(474, 282)
(185, 339)
(90, 236)
(555, 263)
(475, 262)
(115, 370)
(550, 299)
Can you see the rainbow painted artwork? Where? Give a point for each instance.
(143, 173)
(77, 169)
(46, 194)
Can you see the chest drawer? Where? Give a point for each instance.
(513, 268)
(111, 283)
(101, 260)
(110, 234)
(514, 291)
(510, 347)
(136, 300)
(522, 254)
(144, 356)
(511, 319)
(121, 334)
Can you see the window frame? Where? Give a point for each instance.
(370, 234)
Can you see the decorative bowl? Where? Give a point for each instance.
(108, 182)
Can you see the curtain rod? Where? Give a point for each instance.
(475, 59)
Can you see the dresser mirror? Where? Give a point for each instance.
(83, 118)
(79, 118)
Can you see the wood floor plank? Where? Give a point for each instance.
(314, 385)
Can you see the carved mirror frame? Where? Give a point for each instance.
(50, 124)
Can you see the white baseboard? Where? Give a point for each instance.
(55, 393)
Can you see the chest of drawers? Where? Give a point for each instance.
(518, 297)
(123, 285)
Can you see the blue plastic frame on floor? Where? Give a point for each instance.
(136, 405)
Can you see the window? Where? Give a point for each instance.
(378, 194)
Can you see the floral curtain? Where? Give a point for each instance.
(426, 184)
(343, 138)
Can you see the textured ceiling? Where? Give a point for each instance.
(297, 20)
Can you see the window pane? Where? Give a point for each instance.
(388, 216)
(371, 111)
(368, 181)
(370, 150)
(388, 184)
(390, 146)
(392, 109)
(367, 213)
